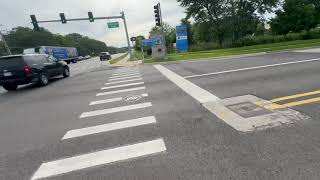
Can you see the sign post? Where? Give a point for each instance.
(182, 38)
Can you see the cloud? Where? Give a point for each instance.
(139, 14)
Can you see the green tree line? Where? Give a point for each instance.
(22, 37)
(216, 24)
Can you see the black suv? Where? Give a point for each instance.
(24, 69)
(105, 56)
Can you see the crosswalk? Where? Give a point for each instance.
(123, 80)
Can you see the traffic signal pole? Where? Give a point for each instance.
(159, 22)
(91, 19)
(127, 34)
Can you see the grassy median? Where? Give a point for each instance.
(114, 61)
(240, 51)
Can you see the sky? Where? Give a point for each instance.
(139, 15)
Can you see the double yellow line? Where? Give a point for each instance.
(292, 104)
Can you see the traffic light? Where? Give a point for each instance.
(91, 18)
(63, 18)
(35, 23)
(157, 14)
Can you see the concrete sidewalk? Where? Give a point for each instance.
(126, 62)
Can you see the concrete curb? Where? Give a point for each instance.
(234, 56)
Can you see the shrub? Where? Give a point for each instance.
(266, 39)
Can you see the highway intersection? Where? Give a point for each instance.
(254, 117)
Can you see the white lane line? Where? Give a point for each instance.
(123, 85)
(67, 165)
(120, 74)
(125, 75)
(109, 127)
(193, 90)
(111, 100)
(252, 68)
(123, 78)
(115, 110)
(121, 91)
(118, 82)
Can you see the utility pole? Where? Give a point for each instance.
(5, 43)
(127, 34)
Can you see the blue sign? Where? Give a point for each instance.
(182, 38)
(148, 42)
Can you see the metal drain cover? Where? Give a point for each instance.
(132, 98)
(248, 109)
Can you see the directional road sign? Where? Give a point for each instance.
(113, 25)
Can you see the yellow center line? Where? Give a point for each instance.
(295, 96)
(298, 103)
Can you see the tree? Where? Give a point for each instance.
(260, 30)
(207, 11)
(187, 23)
(296, 16)
(139, 40)
(237, 16)
(169, 32)
(22, 37)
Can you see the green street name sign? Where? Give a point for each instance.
(113, 25)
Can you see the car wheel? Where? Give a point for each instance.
(43, 79)
(66, 72)
(10, 87)
(68, 62)
(74, 61)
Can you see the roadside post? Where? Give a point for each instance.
(147, 43)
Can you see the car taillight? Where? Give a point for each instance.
(27, 70)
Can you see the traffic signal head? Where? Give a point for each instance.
(91, 18)
(157, 14)
(63, 18)
(34, 22)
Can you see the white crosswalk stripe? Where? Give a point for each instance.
(109, 127)
(105, 101)
(99, 158)
(125, 75)
(123, 78)
(125, 81)
(127, 69)
(121, 91)
(111, 100)
(123, 85)
(115, 110)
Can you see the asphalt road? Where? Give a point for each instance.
(84, 66)
(150, 123)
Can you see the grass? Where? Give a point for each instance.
(239, 51)
(137, 55)
(114, 61)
